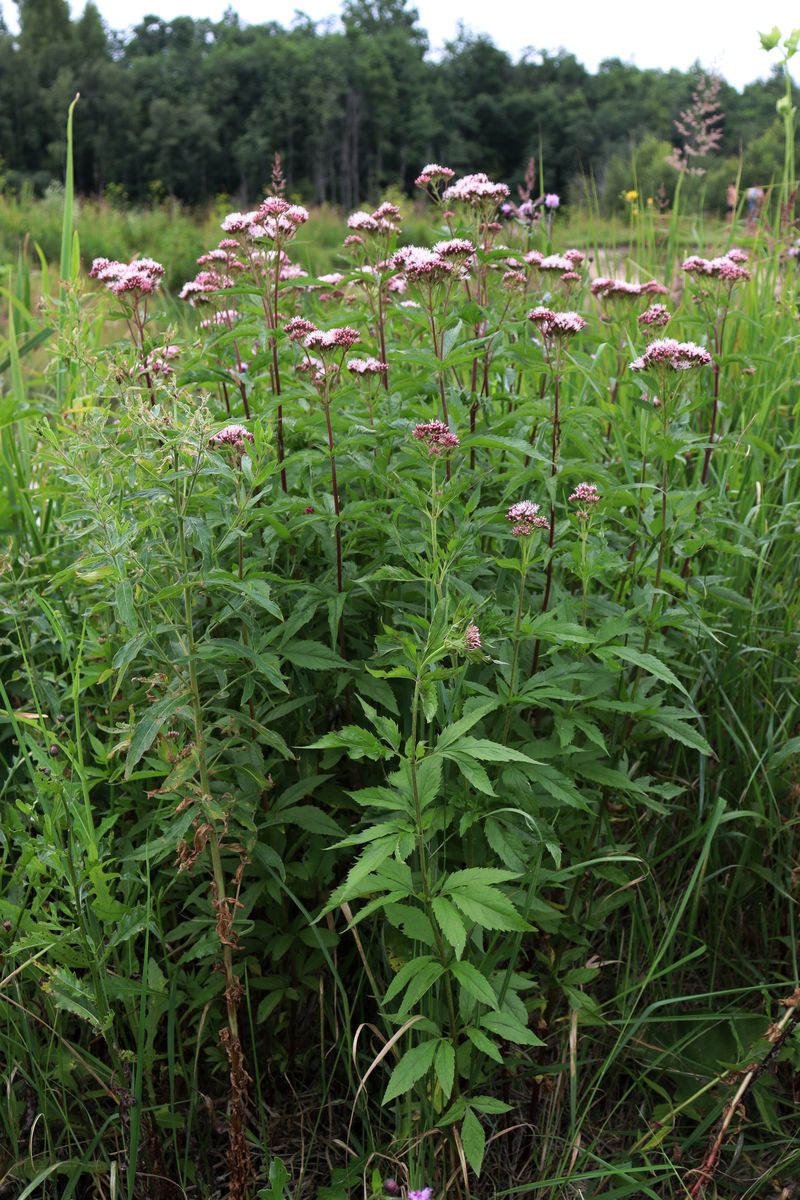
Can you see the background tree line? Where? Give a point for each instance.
(195, 108)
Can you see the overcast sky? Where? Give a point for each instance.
(676, 34)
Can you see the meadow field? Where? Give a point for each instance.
(399, 727)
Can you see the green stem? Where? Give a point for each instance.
(422, 854)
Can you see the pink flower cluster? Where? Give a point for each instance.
(472, 637)
(342, 338)
(556, 324)
(275, 219)
(421, 265)
(436, 436)
(551, 262)
(232, 435)
(298, 328)
(367, 366)
(674, 355)
(614, 289)
(727, 268)
(433, 173)
(551, 200)
(197, 290)
(525, 517)
(458, 249)
(515, 280)
(141, 276)
(657, 316)
(585, 493)
(476, 190)
(385, 219)
(654, 288)
(158, 361)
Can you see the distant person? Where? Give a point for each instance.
(730, 203)
(755, 202)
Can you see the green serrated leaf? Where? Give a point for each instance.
(475, 984)
(414, 1064)
(450, 923)
(473, 1139)
(444, 1064)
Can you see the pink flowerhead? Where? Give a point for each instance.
(614, 289)
(657, 316)
(436, 436)
(514, 280)
(232, 435)
(198, 289)
(524, 516)
(332, 339)
(653, 288)
(454, 248)
(237, 222)
(422, 265)
(672, 355)
(158, 361)
(367, 366)
(422, 1194)
(725, 268)
(473, 637)
(576, 257)
(141, 276)
(433, 173)
(585, 493)
(476, 190)
(736, 255)
(534, 258)
(362, 220)
(551, 200)
(556, 324)
(555, 262)
(298, 328)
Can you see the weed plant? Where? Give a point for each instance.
(398, 670)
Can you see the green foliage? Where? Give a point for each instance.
(352, 829)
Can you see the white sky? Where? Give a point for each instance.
(675, 34)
